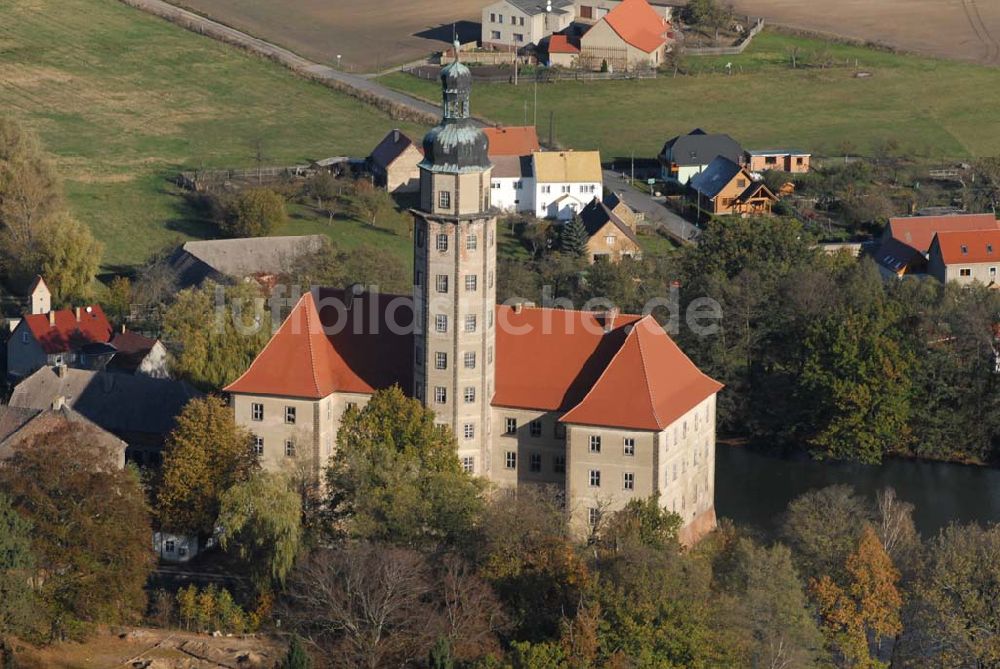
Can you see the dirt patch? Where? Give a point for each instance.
(155, 649)
(961, 29)
(368, 35)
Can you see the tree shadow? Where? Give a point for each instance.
(464, 31)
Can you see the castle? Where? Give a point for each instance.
(604, 405)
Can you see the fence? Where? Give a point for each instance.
(542, 75)
(728, 50)
(201, 179)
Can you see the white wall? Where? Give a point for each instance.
(579, 195)
(506, 197)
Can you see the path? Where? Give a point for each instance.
(360, 86)
(656, 213)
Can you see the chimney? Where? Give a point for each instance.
(609, 319)
(61, 370)
(518, 307)
(77, 311)
(52, 319)
(59, 403)
(395, 135)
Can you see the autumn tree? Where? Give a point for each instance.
(255, 212)
(395, 476)
(90, 530)
(205, 455)
(70, 257)
(216, 332)
(642, 522)
(261, 521)
(339, 268)
(858, 614)
(368, 203)
(822, 527)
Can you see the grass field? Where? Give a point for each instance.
(934, 108)
(124, 100)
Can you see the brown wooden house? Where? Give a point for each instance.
(726, 187)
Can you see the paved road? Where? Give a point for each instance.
(656, 213)
(362, 86)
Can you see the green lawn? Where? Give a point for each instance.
(935, 109)
(124, 101)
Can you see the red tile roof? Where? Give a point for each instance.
(639, 24)
(918, 231)
(322, 349)
(648, 385)
(562, 44)
(549, 358)
(512, 140)
(68, 333)
(973, 246)
(132, 349)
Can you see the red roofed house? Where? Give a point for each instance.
(965, 256)
(393, 163)
(906, 241)
(56, 337)
(603, 404)
(512, 179)
(563, 51)
(632, 35)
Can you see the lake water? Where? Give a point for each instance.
(753, 488)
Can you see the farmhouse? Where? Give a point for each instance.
(632, 35)
(906, 242)
(602, 404)
(515, 24)
(393, 163)
(783, 160)
(965, 256)
(565, 181)
(726, 187)
(20, 426)
(610, 227)
(228, 260)
(687, 155)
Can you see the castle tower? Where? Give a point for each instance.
(454, 253)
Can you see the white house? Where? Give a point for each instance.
(514, 24)
(512, 184)
(565, 182)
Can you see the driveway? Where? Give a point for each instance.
(655, 212)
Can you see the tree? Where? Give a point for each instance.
(364, 606)
(395, 476)
(255, 212)
(573, 237)
(369, 203)
(957, 597)
(296, 658)
(119, 299)
(866, 608)
(90, 530)
(210, 355)
(261, 521)
(70, 258)
(768, 610)
(822, 527)
(641, 523)
(365, 265)
(16, 563)
(470, 613)
(324, 187)
(205, 455)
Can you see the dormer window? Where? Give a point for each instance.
(965, 250)
(989, 248)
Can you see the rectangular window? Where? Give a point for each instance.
(495, 34)
(536, 428)
(169, 545)
(469, 431)
(470, 395)
(628, 482)
(499, 18)
(256, 411)
(595, 443)
(510, 460)
(489, 355)
(489, 318)
(518, 37)
(352, 406)
(471, 282)
(490, 281)
(510, 426)
(741, 183)
(470, 323)
(289, 448)
(440, 360)
(595, 478)
(442, 242)
(546, 190)
(489, 237)
(290, 415)
(559, 464)
(493, 17)
(471, 242)
(441, 323)
(441, 283)
(965, 271)
(593, 517)
(258, 446)
(629, 446)
(470, 360)
(440, 394)
(586, 12)
(24, 337)
(610, 240)
(535, 462)
(565, 188)
(444, 199)
(469, 464)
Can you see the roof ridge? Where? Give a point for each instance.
(271, 340)
(645, 371)
(309, 338)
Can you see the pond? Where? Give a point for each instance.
(753, 488)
